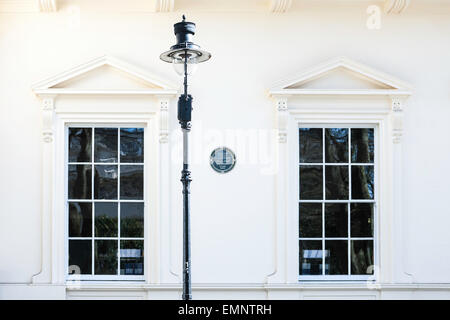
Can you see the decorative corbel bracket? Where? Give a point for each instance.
(397, 105)
(163, 105)
(48, 112)
(282, 117)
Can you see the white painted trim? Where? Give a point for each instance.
(322, 92)
(143, 92)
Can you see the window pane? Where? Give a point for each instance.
(336, 145)
(80, 254)
(105, 145)
(310, 257)
(80, 177)
(132, 220)
(362, 182)
(131, 257)
(362, 145)
(310, 220)
(362, 256)
(361, 219)
(80, 219)
(105, 257)
(336, 220)
(336, 253)
(132, 145)
(132, 182)
(336, 182)
(106, 219)
(310, 145)
(105, 183)
(80, 144)
(311, 183)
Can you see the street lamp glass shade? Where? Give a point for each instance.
(178, 66)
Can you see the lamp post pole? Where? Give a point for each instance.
(185, 53)
(186, 100)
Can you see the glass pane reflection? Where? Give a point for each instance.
(131, 257)
(361, 219)
(132, 145)
(105, 257)
(80, 177)
(132, 219)
(362, 182)
(80, 219)
(310, 257)
(132, 182)
(80, 256)
(362, 256)
(80, 141)
(336, 182)
(105, 145)
(336, 218)
(311, 183)
(310, 220)
(336, 253)
(311, 145)
(362, 145)
(105, 183)
(106, 219)
(336, 145)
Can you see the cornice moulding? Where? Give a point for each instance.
(47, 5)
(280, 6)
(165, 5)
(395, 6)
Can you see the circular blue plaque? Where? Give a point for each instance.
(222, 160)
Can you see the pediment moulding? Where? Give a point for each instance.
(146, 84)
(361, 79)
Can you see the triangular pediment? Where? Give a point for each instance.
(340, 76)
(104, 74)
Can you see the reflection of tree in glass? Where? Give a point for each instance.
(105, 257)
(80, 140)
(361, 256)
(336, 143)
(105, 226)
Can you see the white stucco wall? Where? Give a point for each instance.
(232, 214)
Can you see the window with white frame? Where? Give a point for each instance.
(105, 201)
(337, 202)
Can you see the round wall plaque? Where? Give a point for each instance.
(222, 160)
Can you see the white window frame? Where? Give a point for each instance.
(63, 106)
(145, 201)
(381, 107)
(375, 236)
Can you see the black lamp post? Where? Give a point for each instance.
(184, 56)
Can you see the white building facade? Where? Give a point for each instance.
(336, 111)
